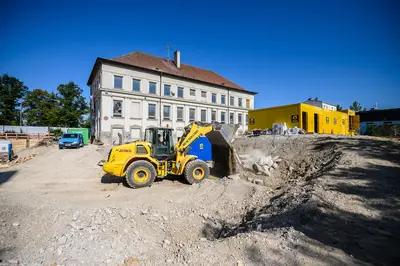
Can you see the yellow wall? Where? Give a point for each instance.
(337, 122)
(264, 118)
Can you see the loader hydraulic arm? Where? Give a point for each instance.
(193, 131)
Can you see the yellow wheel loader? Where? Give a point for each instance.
(201, 147)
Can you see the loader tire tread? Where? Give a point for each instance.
(191, 167)
(141, 166)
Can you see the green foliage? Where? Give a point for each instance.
(86, 123)
(72, 105)
(40, 108)
(57, 132)
(338, 107)
(12, 90)
(356, 106)
(385, 130)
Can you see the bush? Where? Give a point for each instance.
(56, 132)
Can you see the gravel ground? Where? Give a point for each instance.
(332, 201)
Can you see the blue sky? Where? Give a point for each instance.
(287, 51)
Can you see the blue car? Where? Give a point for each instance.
(71, 140)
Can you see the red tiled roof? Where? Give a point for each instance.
(168, 66)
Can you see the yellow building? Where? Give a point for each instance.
(308, 117)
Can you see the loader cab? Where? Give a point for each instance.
(161, 140)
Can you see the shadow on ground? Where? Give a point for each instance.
(371, 239)
(6, 176)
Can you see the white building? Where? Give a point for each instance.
(321, 104)
(138, 90)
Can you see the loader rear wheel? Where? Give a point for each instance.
(196, 171)
(140, 174)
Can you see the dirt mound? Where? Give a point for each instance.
(300, 157)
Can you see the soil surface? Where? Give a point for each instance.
(331, 201)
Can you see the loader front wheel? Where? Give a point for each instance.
(140, 174)
(196, 171)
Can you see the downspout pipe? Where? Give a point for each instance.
(160, 112)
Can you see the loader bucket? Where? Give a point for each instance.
(223, 154)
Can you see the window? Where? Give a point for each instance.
(214, 98)
(222, 117)
(223, 99)
(179, 113)
(136, 110)
(239, 118)
(135, 85)
(247, 119)
(247, 103)
(152, 111)
(232, 100)
(117, 82)
(117, 108)
(231, 118)
(213, 116)
(240, 102)
(203, 116)
(203, 94)
(343, 122)
(167, 112)
(334, 121)
(167, 90)
(327, 120)
(152, 88)
(192, 114)
(192, 92)
(180, 92)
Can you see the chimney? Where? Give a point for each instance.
(177, 58)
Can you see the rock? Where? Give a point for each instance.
(239, 263)
(203, 239)
(108, 211)
(15, 224)
(266, 171)
(265, 160)
(276, 158)
(205, 215)
(275, 166)
(62, 240)
(144, 211)
(165, 218)
(75, 216)
(59, 251)
(257, 168)
(234, 177)
(123, 214)
(244, 156)
(131, 261)
(41, 250)
(107, 196)
(259, 182)
(13, 261)
(166, 243)
(250, 179)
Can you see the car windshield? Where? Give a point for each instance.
(70, 136)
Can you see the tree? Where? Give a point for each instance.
(356, 106)
(12, 90)
(338, 107)
(40, 108)
(86, 123)
(72, 105)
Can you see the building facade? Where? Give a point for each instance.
(378, 119)
(133, 92)
(311, 118)
(321, 104)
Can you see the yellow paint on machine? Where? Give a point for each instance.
(308, 117)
